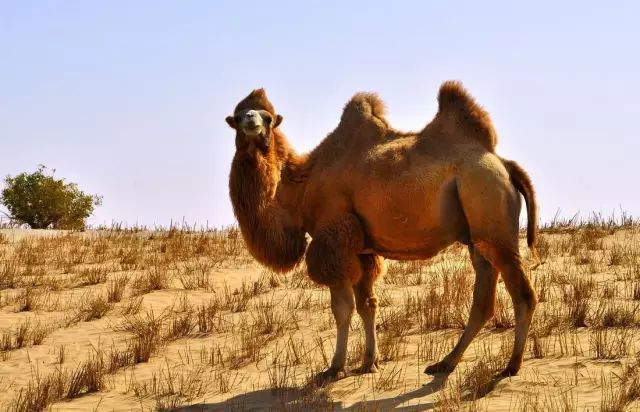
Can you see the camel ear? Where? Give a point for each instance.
(231, 122)
(277, 121)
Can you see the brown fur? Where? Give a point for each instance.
(253, 183)
(256, 100)
(455, 101)
(333, 254)
(364, 107)
(369, 191)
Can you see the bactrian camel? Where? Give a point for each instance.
(369, 192)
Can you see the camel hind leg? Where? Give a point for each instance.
(482, 308)
(523, 296)
(492, 207)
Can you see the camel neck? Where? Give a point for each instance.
(265, 195)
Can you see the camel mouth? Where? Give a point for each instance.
(252, 129)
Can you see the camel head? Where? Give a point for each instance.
(254, 120)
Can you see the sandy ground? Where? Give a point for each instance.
(233, 336)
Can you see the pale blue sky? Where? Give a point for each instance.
(128, 99)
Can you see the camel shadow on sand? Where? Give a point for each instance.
(315, 399)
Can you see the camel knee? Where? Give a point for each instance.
(372, 267)
(528, 296)
(367, 305)
(488, 311)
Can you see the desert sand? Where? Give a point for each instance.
(119, 320)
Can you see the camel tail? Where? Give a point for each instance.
(455, 100)
(365, 106)
(522, 182)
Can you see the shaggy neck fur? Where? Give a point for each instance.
(258, 180)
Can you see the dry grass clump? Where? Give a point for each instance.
(87, 377)
(91, 276)
(408, 273)
(132, 306)
(389, 378)
(23, 335)
(269, 319)
(433, 347)
(92, 306)
(206, 315)
(148, 334)
(238, 300)
(154, 278)
(446, 302)
(40, 392)
(503, 316)
(130, 258)
(116, 287)
(281, 374)
(480, 378)
(250, 349)
(610, 343)
(196, 275)
(577, 296)
(180, 326)
(29, 299)
(9, 275)
(621, 390)
(171, 389)
(614, 313)
(392, 342)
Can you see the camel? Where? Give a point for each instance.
(369, 192)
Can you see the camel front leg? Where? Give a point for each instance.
(332, 260)
(342, 306)
(372, 267)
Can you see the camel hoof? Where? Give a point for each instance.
(508, 372)
(331, 375)
(440, 367)
(373, 368)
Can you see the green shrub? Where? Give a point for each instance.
(41, 201)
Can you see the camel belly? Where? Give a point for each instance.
(414, 220)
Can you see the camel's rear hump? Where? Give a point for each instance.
(455, 103)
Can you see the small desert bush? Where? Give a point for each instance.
(92, 276)
(40, 392)
(88, 377)
(610, 343)
(115, 288)
(92, 306)
(155, 278)
(148, 334)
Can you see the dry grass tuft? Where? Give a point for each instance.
(115, 288)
